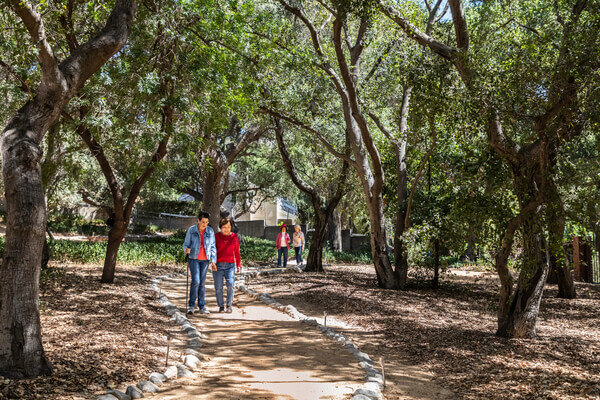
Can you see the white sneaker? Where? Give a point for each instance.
(190, 310)
(204, 311)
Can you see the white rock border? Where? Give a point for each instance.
(373, 387)
(190, 360)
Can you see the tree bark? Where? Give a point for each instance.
(334, 231)
(115, 238)
(520, 318)
(211, 196)
(21, 351)
(556, 230)
(314, 261)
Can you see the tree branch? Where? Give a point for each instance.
(159, 154)
(98, 153)
(311, 28)
(24, 85)
(35, 26)
(289, 165)
(243, 140)
(413, 186)
(90, 56)
(66, 22)
(501, 144)
(460, 25)
(302, 125)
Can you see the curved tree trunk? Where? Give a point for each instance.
(314, 261)
(21, 351)
(520, 317)
(115, 238)
(379, 249)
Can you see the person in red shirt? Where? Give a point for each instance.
(228, 258)
(283, 244)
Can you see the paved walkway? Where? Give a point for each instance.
(257, 352)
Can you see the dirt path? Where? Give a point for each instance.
(260, 353)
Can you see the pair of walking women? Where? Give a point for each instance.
(220, 252)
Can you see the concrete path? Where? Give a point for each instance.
(257, 352)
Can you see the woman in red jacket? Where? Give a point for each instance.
(282, 244)
(228, 257)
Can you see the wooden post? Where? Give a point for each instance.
(382, 370)
(168, 348)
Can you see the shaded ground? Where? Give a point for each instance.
(97, 335)
(257, 352)
(450, 333)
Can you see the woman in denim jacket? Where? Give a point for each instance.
(199, 244)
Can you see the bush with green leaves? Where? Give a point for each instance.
(65, 223)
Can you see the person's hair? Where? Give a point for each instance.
(225, 221)
(297, 226)
(203, 214)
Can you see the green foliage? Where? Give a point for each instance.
(256, 249)
(65, 223)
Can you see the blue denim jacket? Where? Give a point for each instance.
(192, 242)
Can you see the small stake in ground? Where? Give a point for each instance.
(324, 318)
(187, 282)
(382, 370)
(168, 348)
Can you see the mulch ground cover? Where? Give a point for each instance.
(450, 331)
(97, 336)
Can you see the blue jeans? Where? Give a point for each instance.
(198, 270)
(227, 271)
(282, 252)
(298, 251)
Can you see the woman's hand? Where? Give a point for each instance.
(187, 251)
(213, 266)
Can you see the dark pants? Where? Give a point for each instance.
(298, 251)
(282, 252)
(198, 271)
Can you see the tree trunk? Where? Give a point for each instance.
(435, 283)
(400, 255)
(379, 250)
(314, 261)
(115, 238)
(556, 230)
(21, 351)
(211, 197)
(470, 252)
(334, 231)
(521, 316)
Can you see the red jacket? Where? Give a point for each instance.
(228, 248)
(287, 240)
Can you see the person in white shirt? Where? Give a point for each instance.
(298, 242)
